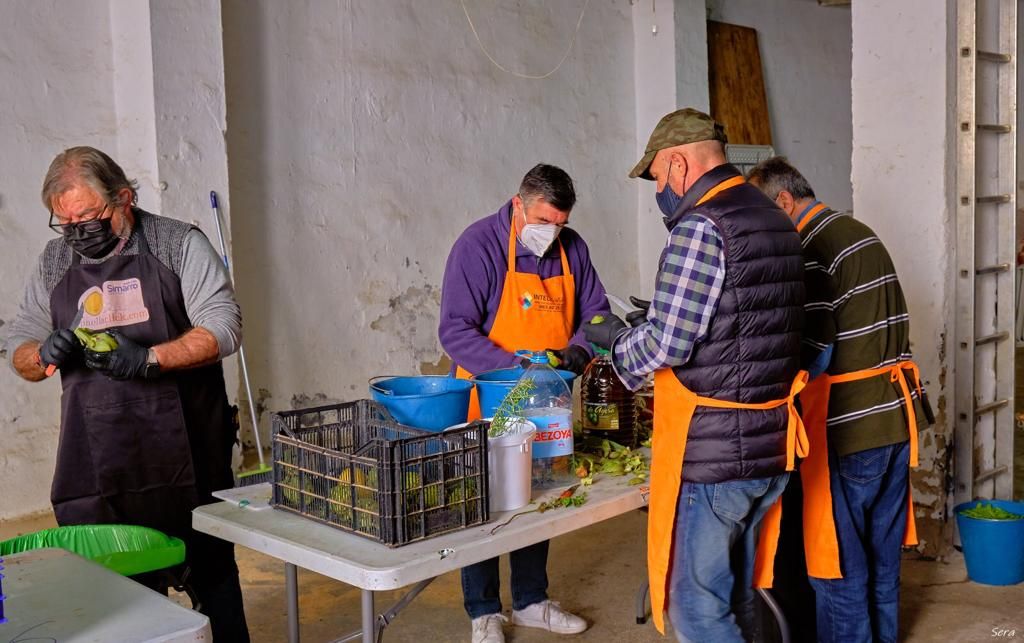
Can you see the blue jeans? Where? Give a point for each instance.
(710, 593)
(480, 582)
(869, 502)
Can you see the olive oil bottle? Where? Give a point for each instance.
(609, 410)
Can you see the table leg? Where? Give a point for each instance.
(291, 581)
(369, 618)
(641, 603)
(382, 620)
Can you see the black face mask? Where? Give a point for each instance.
(92, 239)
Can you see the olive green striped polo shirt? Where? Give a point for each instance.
(855, 303)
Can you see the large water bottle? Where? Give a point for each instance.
(549, 407)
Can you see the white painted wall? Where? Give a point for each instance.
(805, 58)
(58, 93)
(190, 109)
(658, 79)
(692, 54)
(363, 137)
(133, 98)
(670, 44)
(902, 188)
(190, 123)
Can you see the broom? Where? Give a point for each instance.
(262, 473)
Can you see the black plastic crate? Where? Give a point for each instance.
(353, 467)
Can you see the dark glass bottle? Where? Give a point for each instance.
(609, 410)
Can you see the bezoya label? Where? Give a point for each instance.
(554, 435)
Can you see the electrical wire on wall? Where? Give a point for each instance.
(572, 43)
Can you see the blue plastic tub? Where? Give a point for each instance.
(993, 549)
(430, 402)
(493, 386)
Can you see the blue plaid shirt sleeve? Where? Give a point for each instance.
(688, 287)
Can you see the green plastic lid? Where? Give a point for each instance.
(125, 549)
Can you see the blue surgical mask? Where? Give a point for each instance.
(668, 200)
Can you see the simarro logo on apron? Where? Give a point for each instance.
(113, 303)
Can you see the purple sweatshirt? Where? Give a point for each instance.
(475, 276)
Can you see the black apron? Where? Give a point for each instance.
(141, 452)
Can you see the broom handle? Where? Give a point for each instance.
(241, 349)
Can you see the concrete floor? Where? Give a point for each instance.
(595, 573)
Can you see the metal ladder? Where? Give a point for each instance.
(986, 177)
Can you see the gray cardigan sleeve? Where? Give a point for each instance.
(208, 294)
(33, 321)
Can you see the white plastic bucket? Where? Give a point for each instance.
(510, 462)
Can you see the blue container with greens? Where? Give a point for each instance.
(993, 548)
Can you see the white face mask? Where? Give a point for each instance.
(538, 237)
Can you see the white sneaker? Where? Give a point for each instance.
(549, 615)
(487, 628)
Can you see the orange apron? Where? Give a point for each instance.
(821, 545)
(533, 314)
(673, 409)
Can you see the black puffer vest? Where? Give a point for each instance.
(751, 352)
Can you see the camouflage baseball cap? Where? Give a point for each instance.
(678, 128)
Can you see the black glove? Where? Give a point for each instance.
(127, 361)
(60, 348)
(638, 317)
(603, 334)
(572, 358)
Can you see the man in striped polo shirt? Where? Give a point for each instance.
(857, 338)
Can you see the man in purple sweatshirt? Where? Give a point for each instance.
(519, 279)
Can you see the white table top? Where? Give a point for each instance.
(365, 564)
(55, 595)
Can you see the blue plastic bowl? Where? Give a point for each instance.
(430, 402)
(993, 549)
(493, 386)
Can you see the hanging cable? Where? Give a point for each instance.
(515, 73)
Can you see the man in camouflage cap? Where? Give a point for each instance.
(722, 336)
(681, 127)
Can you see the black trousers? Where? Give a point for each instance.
(213, 576)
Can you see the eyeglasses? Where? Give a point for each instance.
(64, 228)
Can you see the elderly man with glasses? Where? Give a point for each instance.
(146, 428)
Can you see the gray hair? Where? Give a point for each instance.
(777, 174)
(87, 165)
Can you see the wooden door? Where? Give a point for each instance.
(738, 98)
